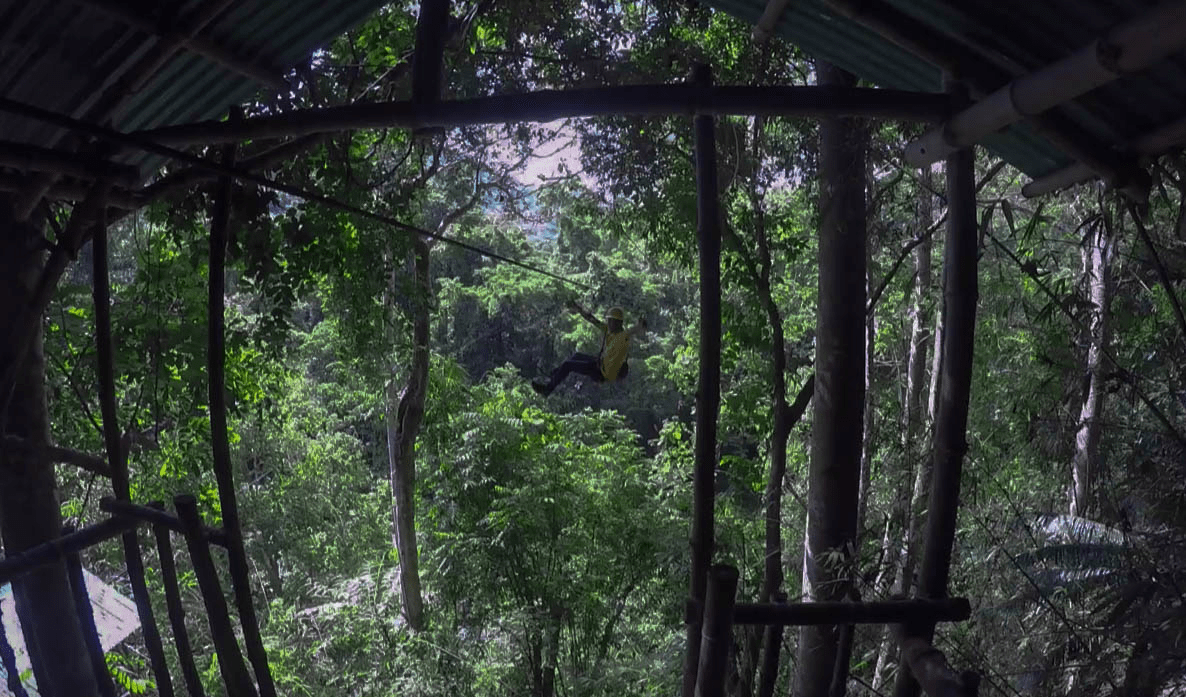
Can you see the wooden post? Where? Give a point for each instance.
(185, 654)
(86, 616)
(772, 646)
(718, 631)
(230, 660)
(216, 356)
(8, 656)
(428, 60)
(708, 395)
(839, 402)
(120, 480)
(960, 291)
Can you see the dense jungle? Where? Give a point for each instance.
(419, 520)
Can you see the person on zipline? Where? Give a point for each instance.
(610, 362)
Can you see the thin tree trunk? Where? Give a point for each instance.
(1085, 463)
(402, 431)
(870, 414)
(834, 478)
(913, 463)
(29, 510)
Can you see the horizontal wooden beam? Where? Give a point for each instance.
(269, 75)
(549, 105)
(883, 612)
(155, 515)
(31, 158)
(56, 550)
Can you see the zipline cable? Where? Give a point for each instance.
(113, 136)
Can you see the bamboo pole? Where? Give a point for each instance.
(771, 647)
(1154, 143)
(717, 637)
(157, 517)
(8, 657)
(708, 394)
(549, 105)
(32, 158)
(1131, 47)
(86, 616)
(837, 612)
(117, 458)
(15, 566)
(230, 660)
(216, 356)
(960, 292)
(185, 654)
(428, 60)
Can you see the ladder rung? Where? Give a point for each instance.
(882, 612)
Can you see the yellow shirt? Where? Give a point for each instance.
(614, 347)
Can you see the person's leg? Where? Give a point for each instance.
(580, 363)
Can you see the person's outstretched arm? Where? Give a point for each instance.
(586, 314)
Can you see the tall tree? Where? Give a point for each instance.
(834, 477)
(29, 509)
(1097, 258)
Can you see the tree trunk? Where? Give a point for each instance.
(834, 478)
(870, 414)
(29, 509)
(897, 566)
(1085, 464)
(403, 426)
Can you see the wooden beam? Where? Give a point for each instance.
(960, 293)
(771, 648)
(127, 139)
(220, 221)
(717, 639)
(185, 653)
(549, 105)
(271, 76)
(230, 660)
(828, 613)
(55, 551)
(86, 616)
(117, 456)
(31, 158)
(708, 392)
(157, 517)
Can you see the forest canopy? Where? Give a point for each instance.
(418, 520)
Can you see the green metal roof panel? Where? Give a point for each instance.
(62, 56)
(1016, 36)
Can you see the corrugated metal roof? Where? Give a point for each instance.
(1017, 36)
(62, 55)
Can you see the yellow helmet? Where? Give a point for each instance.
(616, 313)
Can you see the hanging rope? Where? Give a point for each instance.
(112, 136)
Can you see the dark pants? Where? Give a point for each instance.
(582, 364)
